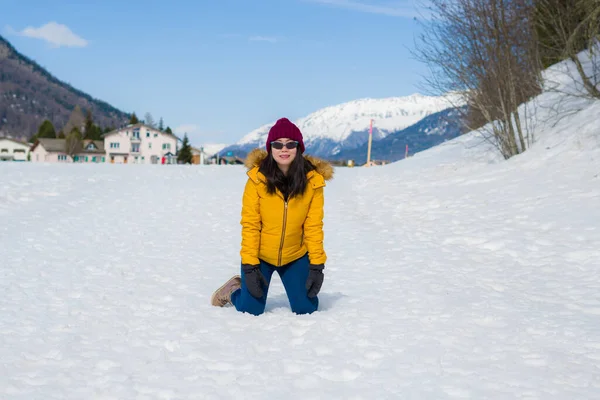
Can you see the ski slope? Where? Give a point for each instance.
(451, 275)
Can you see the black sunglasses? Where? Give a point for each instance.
(279, 145)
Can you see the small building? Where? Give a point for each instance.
(229, 158)
(49, 151)
(373, 163)
(14, 150)
(54, 150)
(199, 156)
(226, 160)
(92, 151)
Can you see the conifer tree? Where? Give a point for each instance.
(46, 130)
(91, 130)
(185, 153)
(134, 119)
(89, 123)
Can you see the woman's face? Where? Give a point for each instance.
(284, 156)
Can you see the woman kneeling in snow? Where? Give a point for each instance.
(282, 225)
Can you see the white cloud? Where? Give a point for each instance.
(255, 38)
(393, 9)
(58, 35)
(269, 39)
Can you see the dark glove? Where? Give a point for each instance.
(254, 280)
(315, 279)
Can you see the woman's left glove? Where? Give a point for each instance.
(315, 279)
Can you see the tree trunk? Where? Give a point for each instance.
(587, 83)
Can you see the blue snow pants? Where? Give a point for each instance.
(293, 276)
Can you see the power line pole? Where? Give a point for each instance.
(370, 141)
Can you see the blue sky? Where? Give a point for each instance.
(219, 69)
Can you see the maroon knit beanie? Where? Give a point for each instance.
(285, 129)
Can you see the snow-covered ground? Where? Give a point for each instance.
(451, 275)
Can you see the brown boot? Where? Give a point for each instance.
(222, 296)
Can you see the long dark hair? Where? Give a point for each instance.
(294, 184)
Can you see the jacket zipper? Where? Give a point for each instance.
(282, 233)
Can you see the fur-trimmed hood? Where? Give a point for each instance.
(322, 167)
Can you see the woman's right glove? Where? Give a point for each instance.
(315, 279)
(254, 280)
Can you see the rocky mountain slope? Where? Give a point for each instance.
(29, 94)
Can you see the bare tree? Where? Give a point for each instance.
(73, 142)
(149, 120)
(588, 30)
(570, 30)
(484, 51)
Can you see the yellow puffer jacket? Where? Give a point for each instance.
(280, 232)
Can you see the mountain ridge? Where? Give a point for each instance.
(343, 127)
(29, 94)
(429, 132)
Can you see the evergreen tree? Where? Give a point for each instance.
(96, 133)
(185, 153)
(61, 135)
(168, 130)
(89, 124)
(91, 130)
(46, 130)
(134, 119)
(161, 125)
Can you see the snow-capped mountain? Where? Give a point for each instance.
(430, 131)
(346, 126)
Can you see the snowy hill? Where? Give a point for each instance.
(346, 126)
(451, 275)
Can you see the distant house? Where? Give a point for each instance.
(226, 160)
(92, 151)
(373, 163)
(13, 150)
(140, 144)
(199, 156)
(54, 150)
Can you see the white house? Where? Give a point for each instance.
(54, 150)
(13, 150)
(140, 144)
